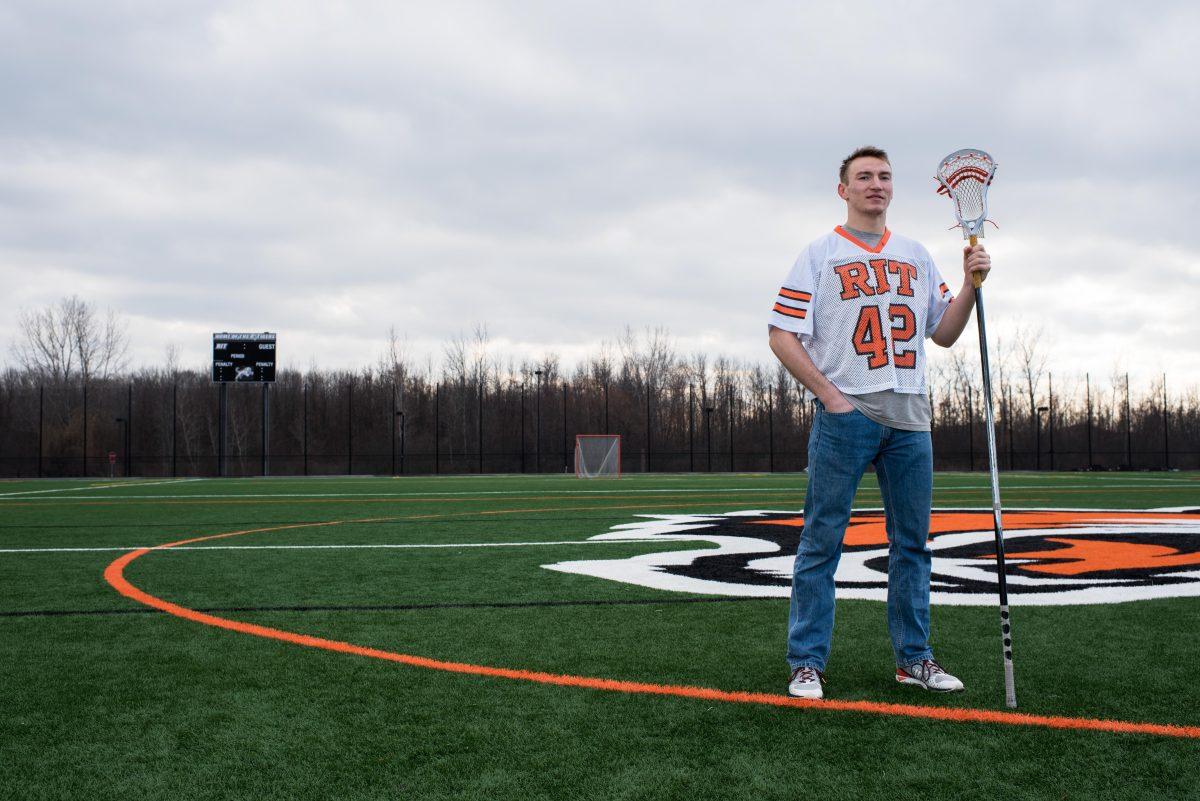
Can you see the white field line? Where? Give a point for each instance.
(465, 493)
(443, 494)
(323, 547)
(99, 486)
(566, 493)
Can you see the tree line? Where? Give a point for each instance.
(479, 411)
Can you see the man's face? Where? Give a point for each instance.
(868, 189)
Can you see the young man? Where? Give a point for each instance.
(849, 324)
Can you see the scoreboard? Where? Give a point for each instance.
(243, 357)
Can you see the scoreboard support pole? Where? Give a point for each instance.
(223, 427)
(266, 429)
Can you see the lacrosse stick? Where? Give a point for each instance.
(965, 175)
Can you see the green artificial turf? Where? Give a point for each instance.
(104, 699)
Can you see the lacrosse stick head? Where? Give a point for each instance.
(965, 175)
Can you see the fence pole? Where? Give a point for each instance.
(537, 445)
(1128, 430)
(708, 410)
(41, 416)
(522, 425)
(607, 428)
(649, 448)
(691, 430)
(85, 421)
(771, 431)
(1011, 450)
(350, 427)
(730, 401)
(566, 463)
(1166, 436)
(437, 428)
(129, 431)
(1050, 377)
(1003, 420)
(1088, 380)
(174, 427)
(481, 425)
(970, 428)
(304, 388)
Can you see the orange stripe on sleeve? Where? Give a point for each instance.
(788, 311)
(792, 294)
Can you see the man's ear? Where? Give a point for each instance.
(842, 191)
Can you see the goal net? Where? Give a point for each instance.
(598, 455)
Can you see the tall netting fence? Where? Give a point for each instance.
(339, 423)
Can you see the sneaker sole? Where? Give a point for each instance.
(923, 685)
(809, 695)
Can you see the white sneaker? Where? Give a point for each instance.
(806, 683)
(930, 675)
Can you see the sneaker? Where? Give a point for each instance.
(806, 683)
(930, 675)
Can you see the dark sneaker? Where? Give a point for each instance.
(806, 683)
(930, 675)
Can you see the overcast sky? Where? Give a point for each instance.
(557, 171)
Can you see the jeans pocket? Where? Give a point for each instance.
(821, 408)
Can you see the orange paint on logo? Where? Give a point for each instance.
(871, 530)
(860, 531)
(1088, 556)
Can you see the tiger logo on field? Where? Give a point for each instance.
(1053, 556)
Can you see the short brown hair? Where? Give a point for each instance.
(867, 151)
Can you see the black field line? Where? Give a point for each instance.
(395, 607)
(342, 546)
(223, 524)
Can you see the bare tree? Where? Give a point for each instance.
(394, 361)
(964, 378)
(171, 360)
(70, 339)
(647, 358)
(1030, 352)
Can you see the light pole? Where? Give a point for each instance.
(538, 425)
(1038, 438)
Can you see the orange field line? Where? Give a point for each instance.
(114, 574)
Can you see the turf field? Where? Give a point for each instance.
(372, 638)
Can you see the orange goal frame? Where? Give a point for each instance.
(578, 437)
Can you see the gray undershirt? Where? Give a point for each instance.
(907, 411)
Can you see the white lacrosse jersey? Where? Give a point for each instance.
(863, 312)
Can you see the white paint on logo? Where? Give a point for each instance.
(962, 579)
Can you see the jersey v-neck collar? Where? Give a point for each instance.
(840, 231)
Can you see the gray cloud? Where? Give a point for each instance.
(558, 172)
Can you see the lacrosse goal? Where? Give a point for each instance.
(598, 455)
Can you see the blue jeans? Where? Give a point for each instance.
(839, 449)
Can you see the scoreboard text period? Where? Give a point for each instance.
(243, 357)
